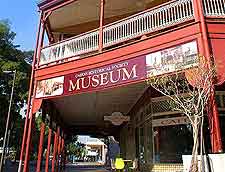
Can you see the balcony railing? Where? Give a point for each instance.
(149, 21)
(145, 22)
(166, 15)
(80, 44)
(214, 8)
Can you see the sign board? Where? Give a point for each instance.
(120, 73)
(172, 59)
(117, 118)
(170, 121)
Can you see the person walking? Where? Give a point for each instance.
(113, 151)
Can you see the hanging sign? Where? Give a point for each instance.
(117, 118)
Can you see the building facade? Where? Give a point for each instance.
(92, 59)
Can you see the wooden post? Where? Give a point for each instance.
(48, 149)
(28, 143)
(55, 148)
(37, 56)
(62, 152)
(40, 149)
(157, 142)
(216, 132)
(58, 153)
(29, 98)
(213, 112)
(101, 23)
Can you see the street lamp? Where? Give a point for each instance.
(8, 117)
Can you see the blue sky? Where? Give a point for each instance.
(23, 17)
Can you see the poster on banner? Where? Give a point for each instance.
(172, 59)
(50, 87)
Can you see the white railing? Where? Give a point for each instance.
(148, 21)
(73, 47)
(214, 8)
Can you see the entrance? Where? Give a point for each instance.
(151, 134)
(171, 142)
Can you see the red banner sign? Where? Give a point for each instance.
(95, 79)
(105, 76)
(161, 62)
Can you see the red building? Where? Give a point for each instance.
(92, 58)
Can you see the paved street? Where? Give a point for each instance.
(81, 167)
(85, 169)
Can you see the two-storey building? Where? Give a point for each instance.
(91, 62)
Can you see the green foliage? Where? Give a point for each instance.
(11, 58)
(76, 149)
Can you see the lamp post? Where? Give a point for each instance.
(8, 117)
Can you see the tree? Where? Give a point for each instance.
(11, 58)
(75, 148)
(189, 92)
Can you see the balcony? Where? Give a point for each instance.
(132, 28)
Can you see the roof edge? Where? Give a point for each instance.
(46, 4)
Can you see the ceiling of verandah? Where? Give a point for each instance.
(87, 110)
(83, 15)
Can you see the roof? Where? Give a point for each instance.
(87, 140)
(46, 4)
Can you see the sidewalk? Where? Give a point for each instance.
(71, 167)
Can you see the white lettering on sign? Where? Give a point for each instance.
(170, 121)
(103, 79)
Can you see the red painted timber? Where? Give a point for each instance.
(48, 149)
(40, 149)
(216, 137)
(29, 98)
(54, 159)
(143, 47)
(54, 152)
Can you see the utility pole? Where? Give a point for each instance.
(8, 118)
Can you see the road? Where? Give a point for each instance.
(87, 167)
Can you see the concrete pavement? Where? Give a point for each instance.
(76, 167)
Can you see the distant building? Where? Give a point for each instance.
(96, 149)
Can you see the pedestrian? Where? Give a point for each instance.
(113, 151)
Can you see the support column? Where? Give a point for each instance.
(216, 139)
(54, 152)
(102, 2)
(40, 149)
(26, 161)
(29, 99)
(28, 144)
(157, 143)
(48, 149)
(29, 136)
(58, 153)
(62, 152)
(213, 115)
(55, 149)
(41, 42)
(103, 154)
